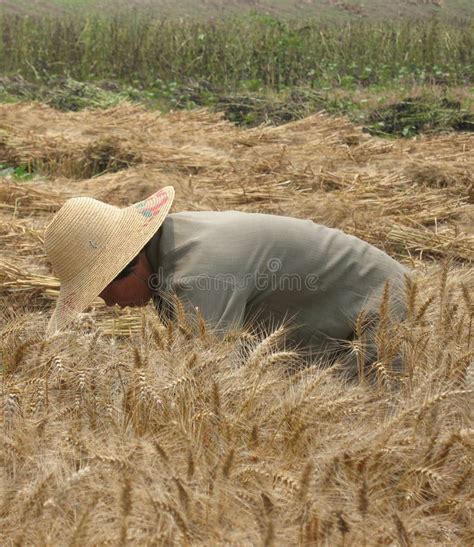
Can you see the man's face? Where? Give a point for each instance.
(132, 290)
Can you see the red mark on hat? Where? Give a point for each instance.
(151, 207)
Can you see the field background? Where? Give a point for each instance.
(127, 431)
(330, 9)
(398, 76)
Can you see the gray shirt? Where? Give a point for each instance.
(241, 269)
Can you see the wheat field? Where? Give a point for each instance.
(127, 431)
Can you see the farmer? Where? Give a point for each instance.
(238, 269)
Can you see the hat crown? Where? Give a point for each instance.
(78, 235)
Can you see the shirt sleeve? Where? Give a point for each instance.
(220, 302)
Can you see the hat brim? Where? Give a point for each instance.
(136, 226)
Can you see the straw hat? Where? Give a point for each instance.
(89, 242)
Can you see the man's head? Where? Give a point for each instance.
(131, 286)
(88, 243)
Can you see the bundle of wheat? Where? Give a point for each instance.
(81, 145)
(16, 278)
(25, 198)
(456, 177)
(21, 236)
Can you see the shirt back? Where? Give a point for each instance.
(245, 268)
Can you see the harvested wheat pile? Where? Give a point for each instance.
(125, 430)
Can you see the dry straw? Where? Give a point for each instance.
(129, 431)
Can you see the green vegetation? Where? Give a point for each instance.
(253, 52)
(192, 9)
(255, 68)
(420, 114)
(22, 173)
(65, 93)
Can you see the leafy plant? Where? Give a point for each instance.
(23, 172)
